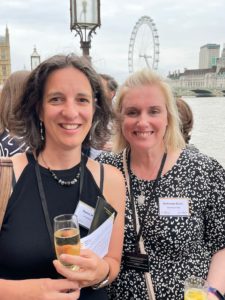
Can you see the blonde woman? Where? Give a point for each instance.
(175, 212)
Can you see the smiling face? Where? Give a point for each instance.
(67, 109)
(144, 117)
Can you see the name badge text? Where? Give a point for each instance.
(174, 207)
(85, 214)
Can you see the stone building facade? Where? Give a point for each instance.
(210, 78)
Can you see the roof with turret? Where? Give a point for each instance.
(200, 71)
(192, 72)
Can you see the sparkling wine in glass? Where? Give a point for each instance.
(67, 237)
(195, 288)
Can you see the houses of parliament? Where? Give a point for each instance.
(5, 62)
(5, 59)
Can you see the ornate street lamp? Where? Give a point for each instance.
(84, 19)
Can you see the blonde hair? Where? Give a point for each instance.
(173, 138)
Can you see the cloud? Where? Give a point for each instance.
(183, 27)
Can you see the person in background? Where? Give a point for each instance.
(175, 209)
(62, 104)
(110, 87)
(10, 94)
(187, 122)
(186, 117)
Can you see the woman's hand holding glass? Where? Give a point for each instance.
(91, 268)
(67, 237)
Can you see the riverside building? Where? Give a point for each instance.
(211, 75)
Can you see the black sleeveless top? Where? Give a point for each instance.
(25, 246)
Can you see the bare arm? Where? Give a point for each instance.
(115, 193)
(216, 274)
(19, 163)
(38, 289)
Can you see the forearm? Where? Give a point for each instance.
(36, 289)
(216, 274)
(114, 267)
(10, 289)
(109, 276)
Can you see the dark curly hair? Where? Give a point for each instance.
(27, 122)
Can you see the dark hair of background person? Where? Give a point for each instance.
(186, 118)
(28, 110)
(111, 82)
(9, 97)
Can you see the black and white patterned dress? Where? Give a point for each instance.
(10, 145)
(177, 247)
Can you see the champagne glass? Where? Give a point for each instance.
(195, 288)
(67, 237)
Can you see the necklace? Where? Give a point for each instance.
(141, 197)
(60, 181)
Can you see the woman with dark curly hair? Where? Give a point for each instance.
(61, 108)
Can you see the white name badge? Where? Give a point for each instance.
(174, 207)
(85, 214)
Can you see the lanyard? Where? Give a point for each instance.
(129, 183)
(43, 197)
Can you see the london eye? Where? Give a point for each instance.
(144, 45)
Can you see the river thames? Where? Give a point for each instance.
(208, 134)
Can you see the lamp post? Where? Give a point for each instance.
(84, 19)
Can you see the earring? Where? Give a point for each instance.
(42, 131)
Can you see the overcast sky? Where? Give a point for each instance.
(183, 27)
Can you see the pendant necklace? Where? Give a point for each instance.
(60, 181)
(141, 197)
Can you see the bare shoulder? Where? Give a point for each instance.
(19, 161)
(114, 184)
(111, 173)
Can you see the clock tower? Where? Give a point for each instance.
(5, 61)
(35, 59)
